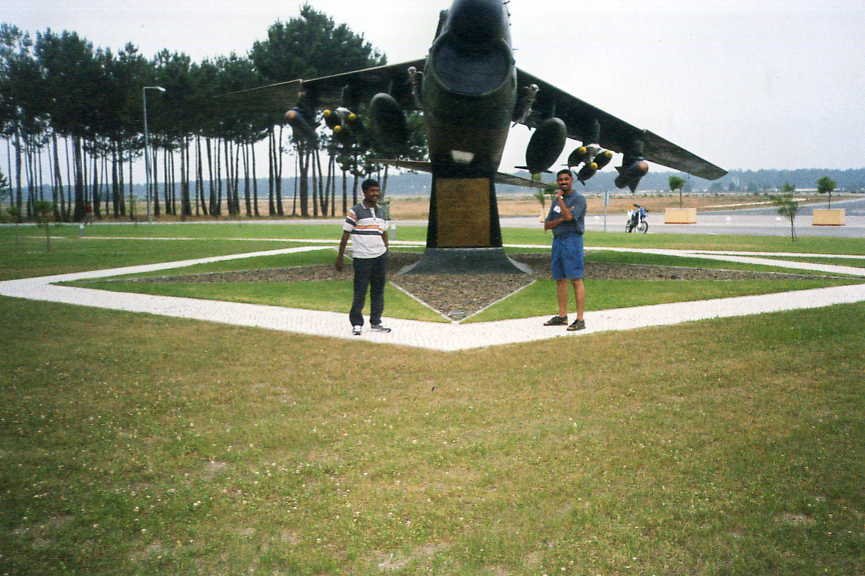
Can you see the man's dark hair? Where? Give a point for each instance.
(369, 183)
(564, 171)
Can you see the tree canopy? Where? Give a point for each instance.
(75, 111)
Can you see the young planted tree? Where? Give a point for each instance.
(826, 185)
(44, 212)
(676, 183)
(787, 206)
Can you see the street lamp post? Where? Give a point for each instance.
(147, 146)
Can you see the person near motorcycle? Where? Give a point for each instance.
(635, 217)
(637, 214)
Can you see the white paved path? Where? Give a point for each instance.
(430, 335)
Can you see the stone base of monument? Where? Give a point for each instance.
(466, 261)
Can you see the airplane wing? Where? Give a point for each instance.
(615, 134)
(501, 177)
(357, 87)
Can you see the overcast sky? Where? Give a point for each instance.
(744, 84)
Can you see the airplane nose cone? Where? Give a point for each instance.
(478, 21)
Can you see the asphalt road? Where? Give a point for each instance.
(852, 207)
(763, 221)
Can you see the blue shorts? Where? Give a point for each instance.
(567, 261)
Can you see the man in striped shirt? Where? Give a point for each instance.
(368, 233)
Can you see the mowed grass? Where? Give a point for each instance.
(540, 298)
(134, 444)
(27, 256)
(326, 295)
(318, 257)
(601, 256)
(296, 229)
(537, 299)
(853, 262)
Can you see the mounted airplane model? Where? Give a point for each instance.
(470, 93)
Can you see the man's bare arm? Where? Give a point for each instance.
(341, 253)
(566, 214)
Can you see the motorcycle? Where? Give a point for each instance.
(637, 220)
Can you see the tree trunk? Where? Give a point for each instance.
(115, 196)
(168, 182)
(246, 192)
(97, 210)
(28, 178)
(344, 194)
(77, 162)
(185, 201)
(254, 182)
(56, 181)
(315, 194)
(19, 199)
(280, 209)
(303, 156)
(271, 174)
(154, 194)
(333, 187)
(211, 183)
(132, 203)
(199, 180)
(217, 209)
(237, 151)
(69, 204)
(229, 177)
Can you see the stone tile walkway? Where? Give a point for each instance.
(430, 335)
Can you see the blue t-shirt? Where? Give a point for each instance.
(576, 203)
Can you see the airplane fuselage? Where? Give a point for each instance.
(469, 89)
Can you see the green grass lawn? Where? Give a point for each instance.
(296, 230)
(535, 300)
(540, 298)
(292, 260)
(852, 262)
(135, 444)
(327, 295)
(601, 256)
(28, 256)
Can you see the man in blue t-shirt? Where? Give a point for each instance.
(567, 221)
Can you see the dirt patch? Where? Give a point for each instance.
(460, 295)
(213, 469)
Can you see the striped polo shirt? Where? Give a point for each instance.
(367, 231)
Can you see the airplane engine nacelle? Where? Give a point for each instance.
(387, 122)
(546, 145)
(300, 126)
(631, 174)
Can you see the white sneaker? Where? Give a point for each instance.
(379, 328)
(355, 330)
